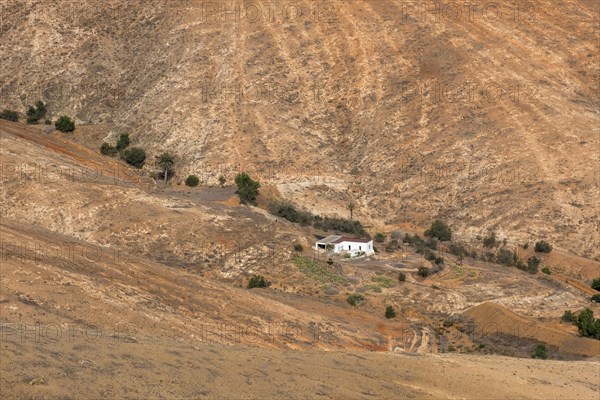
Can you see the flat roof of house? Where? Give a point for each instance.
(339, 239)
(330, 239)
(349, 239)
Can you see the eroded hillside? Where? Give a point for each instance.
(485, 116)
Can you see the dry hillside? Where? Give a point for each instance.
(487, 117)
(115, 285)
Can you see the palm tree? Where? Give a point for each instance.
(165, 162)
(351, 207)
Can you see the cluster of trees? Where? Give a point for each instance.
(287, 210)
(135, 156)
(35, 113)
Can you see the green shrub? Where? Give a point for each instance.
(247, 188)
(401, 277)
(298, 247)
(355, 299)
(64, 124)
(540, 352)
(423, 272)
(329, 261)
(9, 115)
(448, 323)
(379, 237)
(48, 121)
(222, 180)
(546, 271)
(596, 298)
(543, 247)
(439, 230)
(490, 240)
(192, 181)
(390, 312)
(108, 150)
(596, 284)
(123, 141)
(532, 264)
(257, 281)
(134, 156)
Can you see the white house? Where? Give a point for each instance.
(341, 244)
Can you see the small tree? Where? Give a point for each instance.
(123, 141)
(596, 284)
(379, 237)
(222, 180)
(596, 298)
(65, 124)
(423, 272)
(401, 277)
(543, 247)
(505, 257)
(41, 108)
(247, 188)
(588, 326)
(490, 240)
(540, 352)
(532, 264)
(9, 115)
(351, 207)
(569, 317)
(390, 312)
(439, 230)
(134, 156)
(192, 181)
(32, 117)
(355, 299)
(165, 162)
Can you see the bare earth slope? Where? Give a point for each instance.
(104, 369)
(87, 294)
(487, 117)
